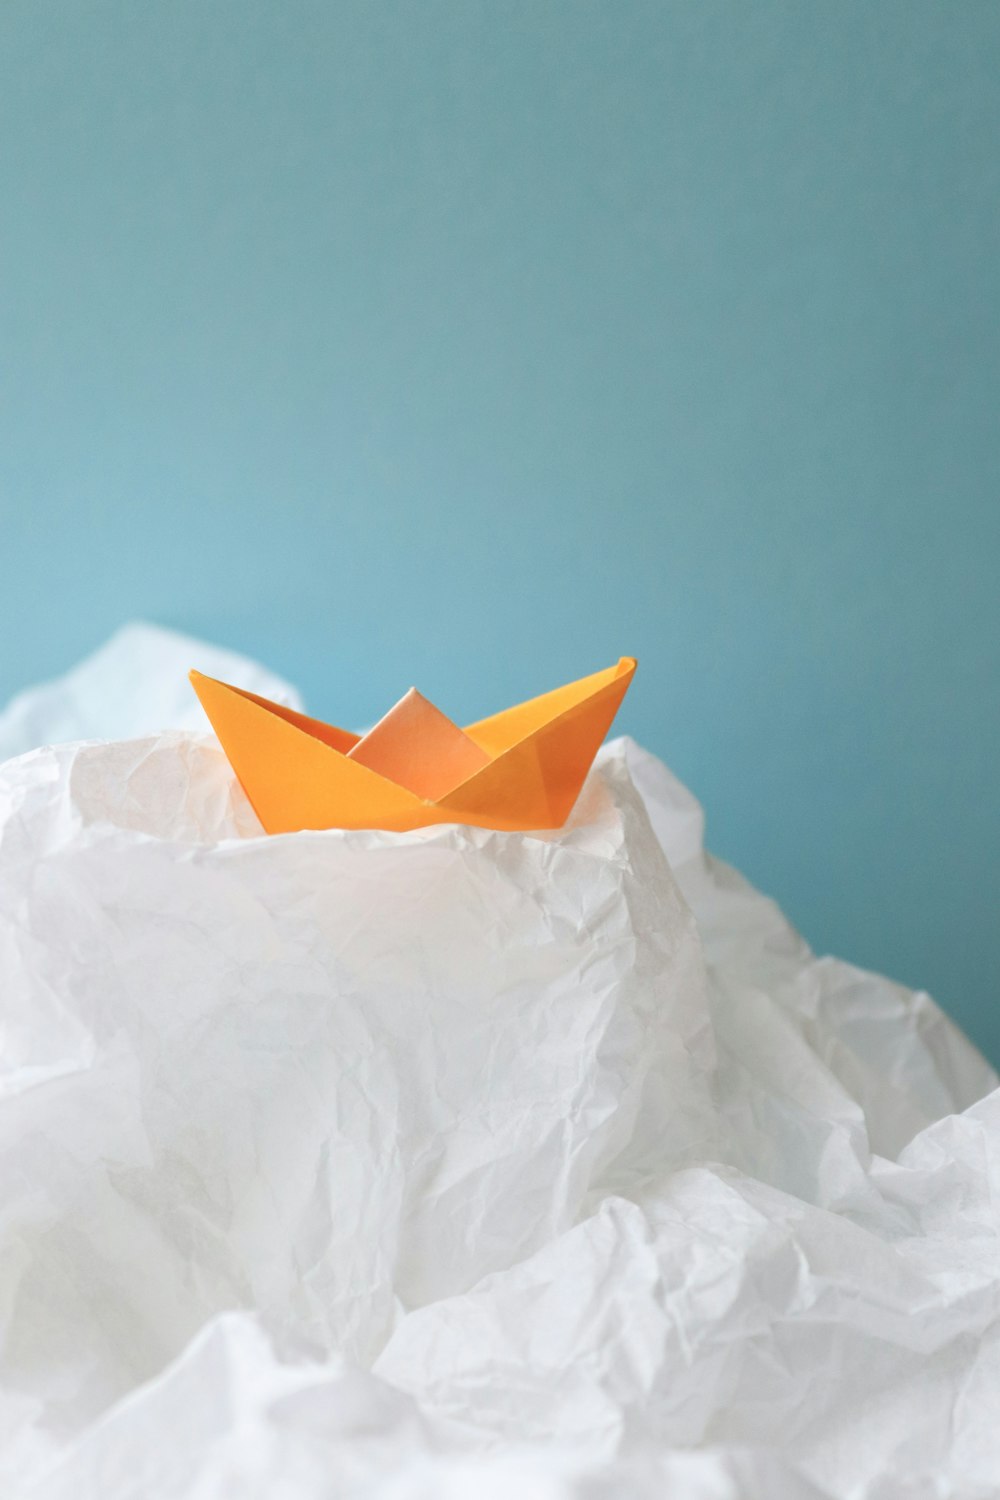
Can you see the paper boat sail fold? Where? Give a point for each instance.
(518, 770)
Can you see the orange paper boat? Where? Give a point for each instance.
(520, 769)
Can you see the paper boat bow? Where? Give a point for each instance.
(520, 769)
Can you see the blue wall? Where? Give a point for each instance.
(474, 344)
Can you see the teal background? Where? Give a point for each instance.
(472, 345)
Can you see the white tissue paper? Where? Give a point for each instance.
(457, 1163)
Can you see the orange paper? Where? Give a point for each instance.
(418, 747)
(519, 770)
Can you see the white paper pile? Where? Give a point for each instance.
(457, 1163)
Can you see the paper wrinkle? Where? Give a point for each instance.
(134, 684)
(458, 1162)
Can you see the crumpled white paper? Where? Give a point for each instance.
(457, 1163)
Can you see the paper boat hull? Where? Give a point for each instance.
(296, 772)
